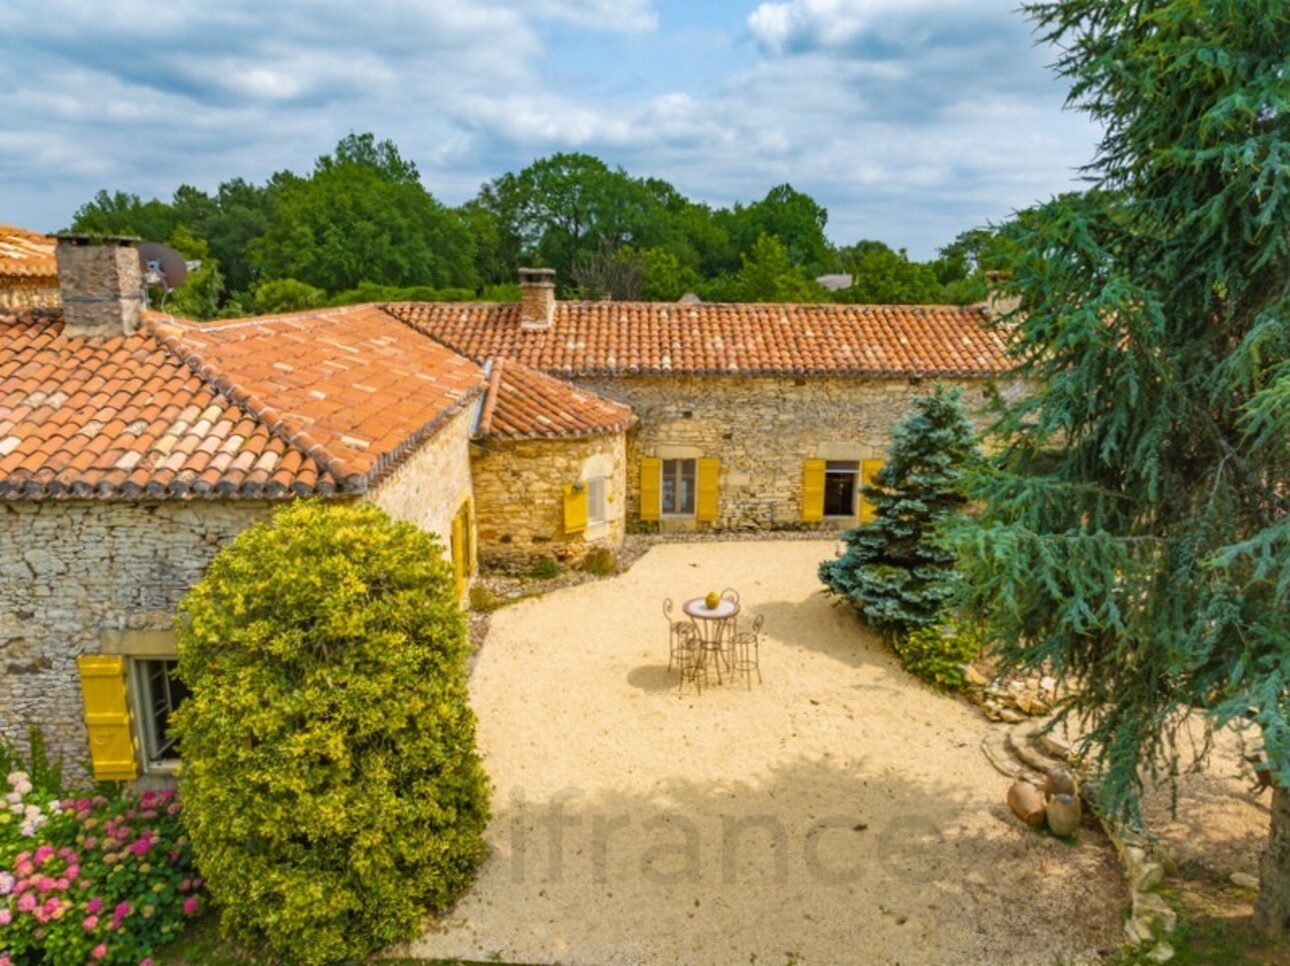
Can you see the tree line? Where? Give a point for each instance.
(361, 226)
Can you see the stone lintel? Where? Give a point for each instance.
(139, 643)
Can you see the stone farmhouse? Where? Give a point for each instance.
(750, 416)
(134, 445)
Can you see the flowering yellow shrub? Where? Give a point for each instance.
(332, 788)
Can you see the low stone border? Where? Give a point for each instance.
(1022, 753)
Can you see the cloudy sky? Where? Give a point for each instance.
(910, 120)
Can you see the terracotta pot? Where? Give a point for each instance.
(1026, 803)
(1063, 813)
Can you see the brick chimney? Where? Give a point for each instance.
(100, 283)
(537, 298)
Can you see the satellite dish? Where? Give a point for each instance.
(162, 266)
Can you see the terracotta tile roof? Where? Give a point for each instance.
(124, 418)
(522, 403)
(314, 404)
(26, 253)
(352, 383)
(638, 338)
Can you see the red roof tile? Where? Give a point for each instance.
(352, 385)
(26, 253)
(640, 338)
(522, 403)
(178, 410)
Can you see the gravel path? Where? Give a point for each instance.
(837, 812)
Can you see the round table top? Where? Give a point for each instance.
(699, 608)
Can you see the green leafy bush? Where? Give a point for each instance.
(43, 774)
(333, 790)
(545, 569)
(599, 562)
(937, 654)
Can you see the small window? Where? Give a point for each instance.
(840, 488)
(158, 693)
(678, 486)
(596, 510)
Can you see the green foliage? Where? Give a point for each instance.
(769, 275)
(1134, 529)
(371, 292)
(333, 788)
(792, 218)
(44, 775)
(545, 569)
(286, 295)
(198, 296)
(881, 276)
(936, 654)
(667, 278)
(121, 213)
(600, 562)
(897, 569)
(89, 879)
(362, 218)
(363, 215)
(484, 600)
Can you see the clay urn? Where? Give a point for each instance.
(1063, 813)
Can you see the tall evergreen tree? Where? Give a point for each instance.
(1134, 530)
(897, 569)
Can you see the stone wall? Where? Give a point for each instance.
(762, 428)
(77, 577)
(429, 487)
(519, 491)
(27, 292)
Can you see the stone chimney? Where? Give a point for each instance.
(100, 283)
(537, 298)
(997, 304)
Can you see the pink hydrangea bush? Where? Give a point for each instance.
(101, 881)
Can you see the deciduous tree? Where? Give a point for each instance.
(363, 216)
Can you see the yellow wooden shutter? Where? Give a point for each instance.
(651, 488)
(459, 555)
(575, 508)
(468, 524)
(107, 717)
(813, 491)
(868, 470)
(706, 504)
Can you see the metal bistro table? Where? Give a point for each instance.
(712, 625)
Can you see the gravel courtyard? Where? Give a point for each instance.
(837, 812)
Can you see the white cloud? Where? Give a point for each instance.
(911, 120)
(611, 15)
(832, 24)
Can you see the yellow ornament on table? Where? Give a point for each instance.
(712, 600)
